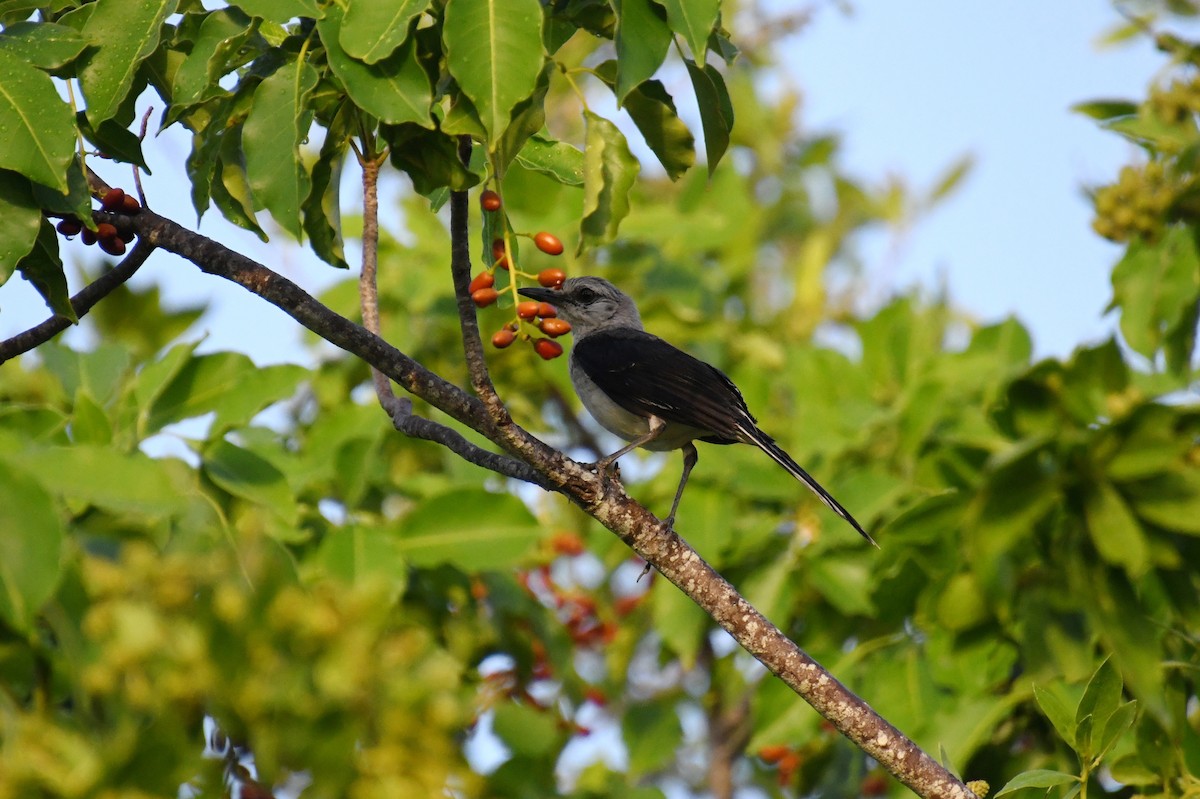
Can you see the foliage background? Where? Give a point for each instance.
(328, 590)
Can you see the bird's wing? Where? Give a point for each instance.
(649, 377)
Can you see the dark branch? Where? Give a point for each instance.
(82, 302)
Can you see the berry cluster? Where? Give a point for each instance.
(1137, 204)
(537, 315)
(112, 239)
(1176, 102)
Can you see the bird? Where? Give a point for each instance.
(653, 394)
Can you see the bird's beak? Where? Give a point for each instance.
(541, 294)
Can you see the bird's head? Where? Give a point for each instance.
(589, 304)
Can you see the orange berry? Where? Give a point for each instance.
(773, 753)
(113, 200)
(131, 205)
(546, 310)
(527, 309)
(484, 280)
(549, 350)
(70, 226)
(548, 243)
(485, 297)
(552, 278)
(566, 543)
(113, 246)
(502, 338)
(489, 201)
(106, 232)
(555, 327)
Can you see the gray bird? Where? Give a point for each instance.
(652, 394)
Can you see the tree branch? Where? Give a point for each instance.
(82, 302)
(600, 496)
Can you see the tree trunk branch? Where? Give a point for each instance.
(601, 496)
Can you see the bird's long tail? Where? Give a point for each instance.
(768, 445)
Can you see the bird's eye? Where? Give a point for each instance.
(587, 295)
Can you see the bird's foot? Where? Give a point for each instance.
(645, 571)
(609, 466)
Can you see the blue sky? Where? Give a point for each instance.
(911, 86)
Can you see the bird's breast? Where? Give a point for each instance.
(620, 422)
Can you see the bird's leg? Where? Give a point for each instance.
(690, 456)
(656, 427)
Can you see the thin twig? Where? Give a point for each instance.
(82, 302)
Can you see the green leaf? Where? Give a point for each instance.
(31, 549)
(227, 384)
(43, 44)
(280, 11)
(1106, 109)
(652, 734)
(1038, 778)
(470, 529)
(1117, 725)
(196, 79)
(494, 50)
(76, 201)
(1170, 500)
(121, 482)
(429, 158)
(1116, 533)
(251, 477)
(357, 554)
(231, 190)
(642, 38)
(125, 34)
(395, 89)
(609, 173)
(526, 730)
(695, 20)
(114, 140)
(277, 125)
(716, 110)
(1057, 712)
(1156, 286)
(322, 208)
(555, 159)
(373, 29)
(20, 221)
(44, 269)
(1100, 698)
(39, 130)
(653, 111)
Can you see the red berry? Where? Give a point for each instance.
(113, 200)
(113, 246)
(555, 327)
(548, 243)
(546, 310)
(106, 232)
(131, 205)
(497, 249)
(70, 226)
(502, 338)
(88, 236)
(485, 297)
(484, 280)
(552, 278)
(502, 262)
(527, 309)
(548, 349)
(489, 201)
